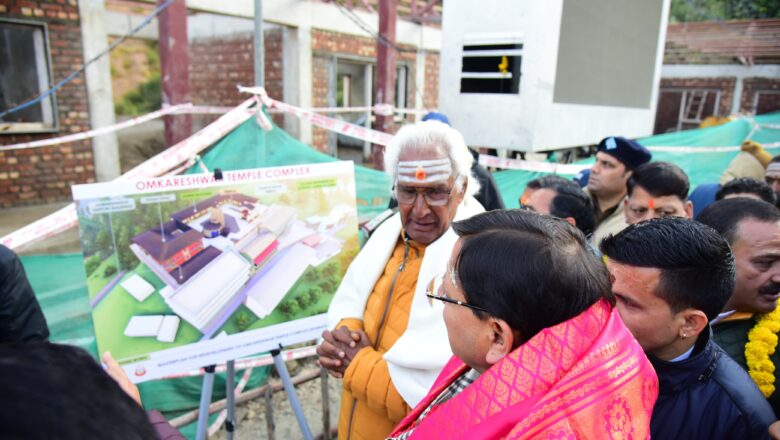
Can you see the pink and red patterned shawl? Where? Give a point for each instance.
(586, 378)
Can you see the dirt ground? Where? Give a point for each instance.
(251, 416)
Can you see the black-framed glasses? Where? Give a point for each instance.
(407, 195)
(432, 293)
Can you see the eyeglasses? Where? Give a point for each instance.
(433, 196)
(432, 293)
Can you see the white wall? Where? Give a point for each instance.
(530, 121)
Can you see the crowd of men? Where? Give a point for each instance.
(617, 305)
(599, 309)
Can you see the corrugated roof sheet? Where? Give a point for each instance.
(723, 42)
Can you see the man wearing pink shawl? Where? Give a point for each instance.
(540, 351)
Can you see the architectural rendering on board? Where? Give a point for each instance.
(224, 251)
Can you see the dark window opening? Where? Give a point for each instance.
(684, 109)
(491, 68)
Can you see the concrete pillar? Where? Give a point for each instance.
(175, 68)
(419, 82)
(297, 83)
(385, 70)
(99, 94)
(736, 98)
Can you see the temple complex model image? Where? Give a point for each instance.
(173, 268)
(230, 249)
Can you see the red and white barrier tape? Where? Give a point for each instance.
(172, 110)
(527, 165)
(332, 124)
(558, 168)
(156, 166)
(689, 149)
(181, 156)
(258, 361)
(379, 109)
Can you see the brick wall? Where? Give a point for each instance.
(44, 175)
(219, 65)
(328, 44)
(768, 102)
(319, 91)
(667, 112)
(431, 94)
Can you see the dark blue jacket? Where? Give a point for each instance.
(708, 396)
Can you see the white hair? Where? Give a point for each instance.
(433, 135)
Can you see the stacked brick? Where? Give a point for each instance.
(768, 99)
(329, 45)
(431, 95)
(219, 65)
(45, 175)
(724, 84)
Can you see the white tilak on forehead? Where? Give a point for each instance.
(424, 171)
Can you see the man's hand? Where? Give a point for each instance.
(338, 348)
(356, 341)
(118, 374)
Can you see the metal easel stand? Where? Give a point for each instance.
(230, 423)
(289, 388)
(205, 401)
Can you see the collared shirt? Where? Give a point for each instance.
(722, 316)
(610, 221)
(685, 355)
(451, 391)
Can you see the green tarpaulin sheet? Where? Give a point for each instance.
(700, 167)
(249, 146)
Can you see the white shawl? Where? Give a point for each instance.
(417, 357)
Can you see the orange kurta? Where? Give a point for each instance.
(370, 404)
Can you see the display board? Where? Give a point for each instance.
(187, 271)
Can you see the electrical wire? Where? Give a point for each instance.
(74, 74)
(379, 38)
(363, 25)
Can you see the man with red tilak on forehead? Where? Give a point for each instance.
(386, 342)
(656, 190)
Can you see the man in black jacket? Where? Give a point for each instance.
(21, 318)
(671, 277)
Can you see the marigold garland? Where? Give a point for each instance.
(762, 342)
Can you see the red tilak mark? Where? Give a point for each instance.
(651, 205)
(420, 173)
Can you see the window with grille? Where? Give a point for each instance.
(25, 73)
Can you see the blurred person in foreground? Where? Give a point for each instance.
(616, 159)
(52, 391)
(21, 318)
(672, 276)
(748, 325)
(540, 351)
(386, 342)
(655, 190)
